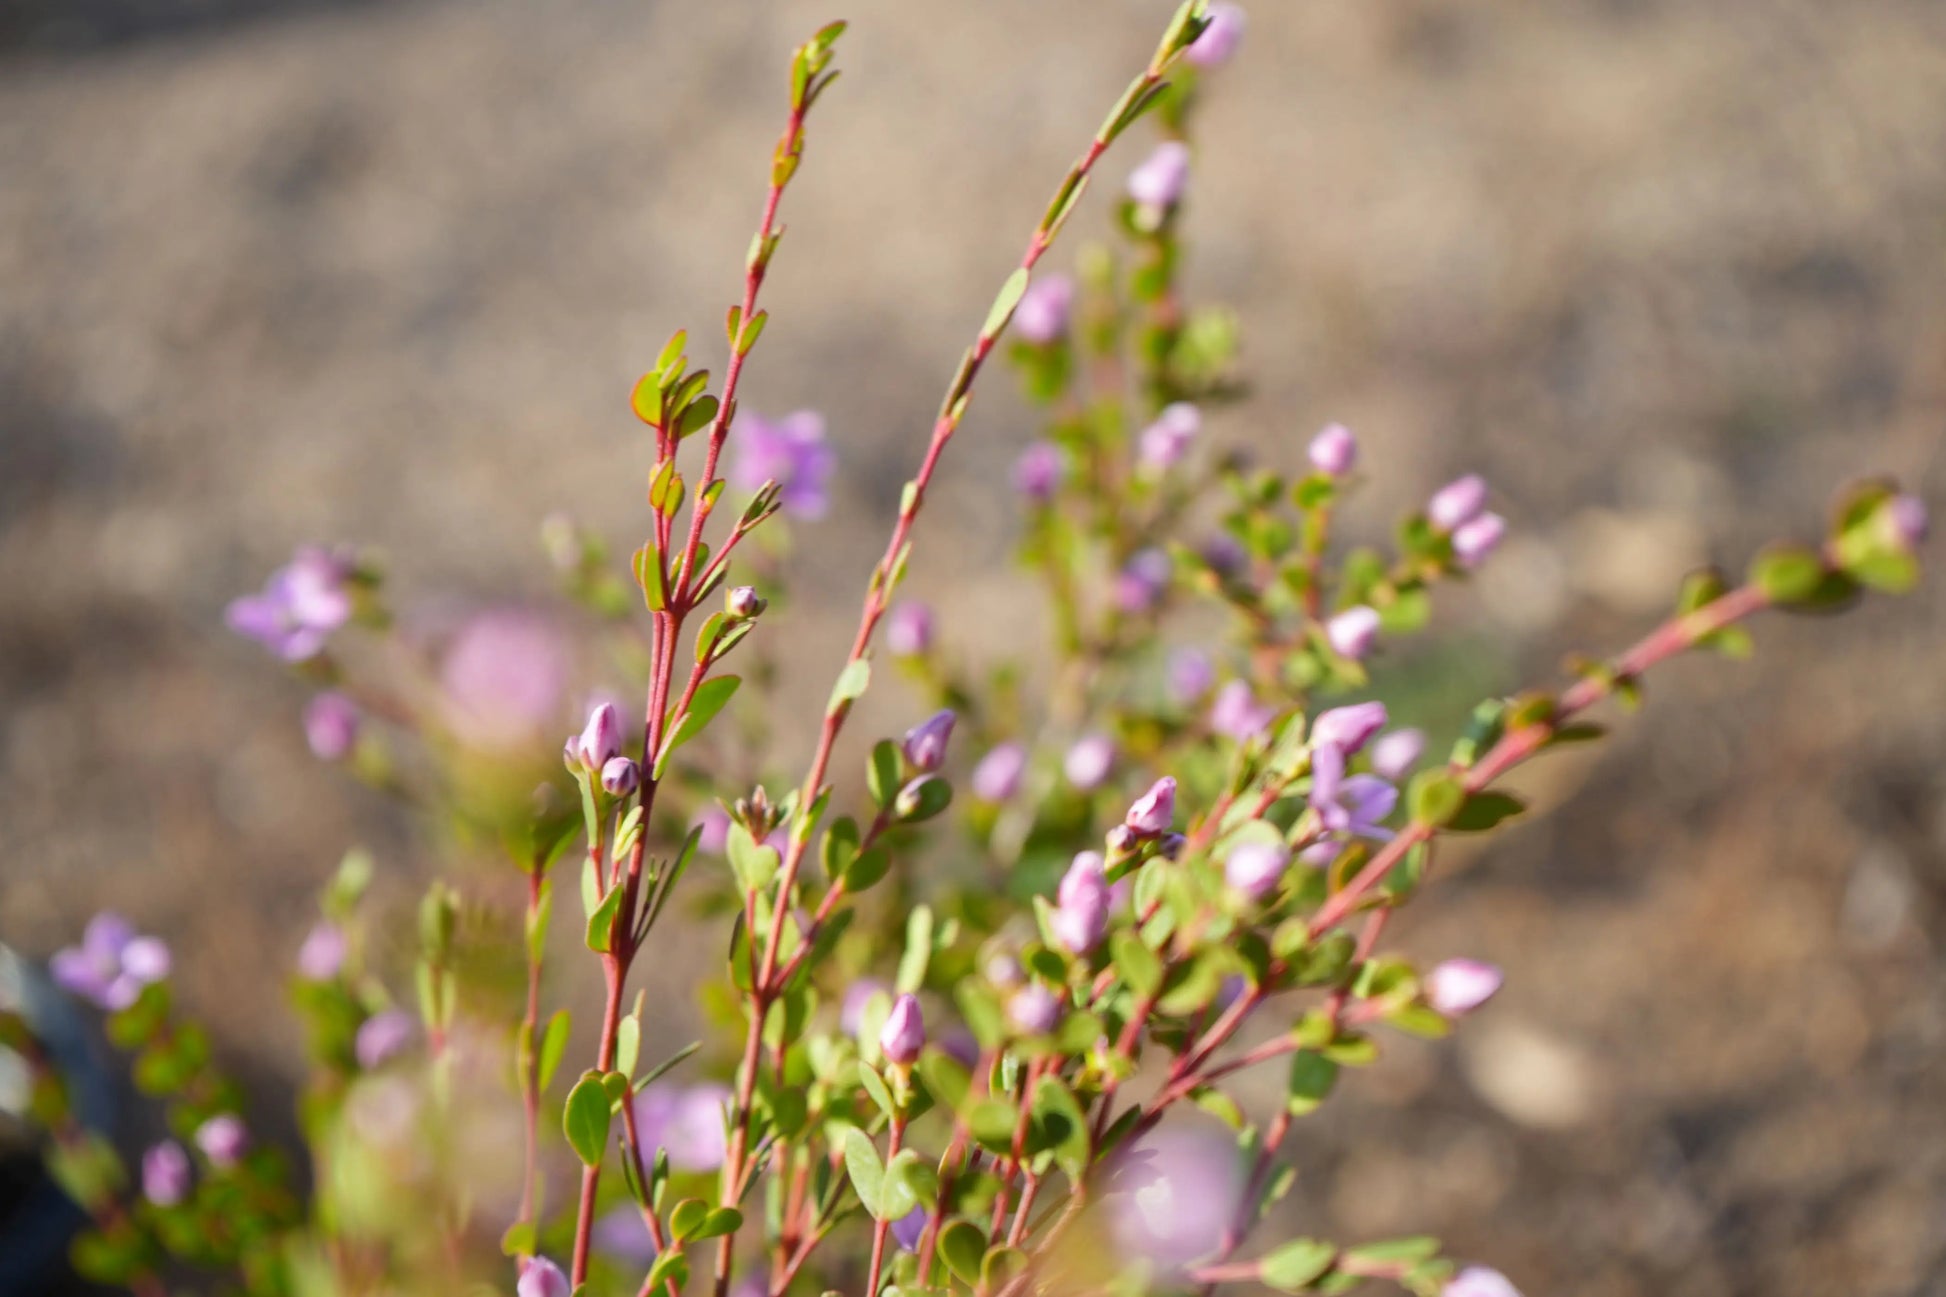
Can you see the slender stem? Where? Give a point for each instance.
(530, 1080)
(882, 1225)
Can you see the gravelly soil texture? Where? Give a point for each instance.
(1665, 272)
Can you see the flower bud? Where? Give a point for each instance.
(1474, 541)
(383, 1037)
(1089, 761)
(997, 777)
(1004, 971)
(743, 601)
(1353, 632)
(1235, 714)
(600, 739)
(1190, 674)
(1167, 440)
(1220, 37)
(1396, 753)
(1080, 917)
(1142, 581)
(1334, 451)
(1458, 502)
(1154, 811)
(1909, 524)
(1459, 986)
(1350, 728)
(925, 743)
(1479, 1281)
(542, 1278)
(223, 1139)
(619, 775)
(165, 1174)
(1255, 868)
(904, 1033)
(1042, 315)
(908, 630)
(1170, 846)
(1159, 182)
(331, 726)
(1038, 471)
(851, 1010)
(909, 1230)
(1034, 1010)
(322, 953)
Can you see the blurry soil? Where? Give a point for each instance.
(1665, 272)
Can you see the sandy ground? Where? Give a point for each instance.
(1666, 272)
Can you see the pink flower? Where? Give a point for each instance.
(502, 679)
(1174, 1195)
(1039, 471)
(1459, 986)
(1353, 632)
(909, 630)
(1160, 180)
(1396, 753)
(1479, 1281)
(1089, 761)
(1155, 810)
(790, 451)
(1475, 540)
(1235, 713)
(542, 1278)
(301, 604)
(1334, 451)
(112, 964)
(322, 953)
(1042, 315)
(997, 777)
(1220, 38)
(904, 1032)
(1458, 502)
(1167, 440)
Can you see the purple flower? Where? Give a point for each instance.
(1003, 970)
(1154, 811)
(619, 775)
(542, 1278)
(714, 822)
(1475, 540)
(1458, 502)
(908, 1229)
(1141, 582)
(1223, 553)
(1219, 39)
(383, 1037)
(1190, 674)
(1320, 854)
(1159, 182)
(904, 1032)
(112, 964)
(1907, 517)
(299, 606)
(1348, 728)
(1459, 986)
(331, 726)
(601, 738)
(925, 743)
(223, 1139)
(1479, 1281)
(1089, 761)
(790, 451)
(622, 1234)
(1034, 1010)
(1355, 805)
(851, 1010)
(1353, 632)
(908, 630)
(997, 777)
(1235, 713)
(743, 602)
(1042, 315)
(1039, 471)
(502, 679)
(1166, 441)
(1334, 451)
(1174, 1195)
(165, 1174)
(687, 1123)
(1255, 868)
(1080, 917)
(1395, 753)
(322, 953)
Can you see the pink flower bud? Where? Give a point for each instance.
(1089, 761)
(1034, 1010)
(1154, 811)
(904, 1033)
(1167, 440)
(1080, 917)
(1458, 502)
(997, 777)
(1475, 540)
(383, 1037)
(600, 739)
(1039, 471)
(1348, 728)
(223, 1139)
(1160, 180)
(1479, 1281)
(1042, 315)
(908, 630)
(322, 953)
(1353, 632)
(331, 726)
(1459, 986)
(1235, 713)
(925, 743)
(743, 601)
(619, 775)
(1255, 868)
(1396, 753)
(1219, 39)
(1907, 515)
(165, 1174)
(1190, 674)
(1334, 451)
(542, 1278)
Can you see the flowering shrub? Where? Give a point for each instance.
(980, 1012)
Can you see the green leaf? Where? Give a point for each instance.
(585, 1118)
(962, 1244)
(1140, 967)
(884, 774)
(1435, 797)
(672, 1267)
(1311, 1080)
(866, 1171)
(720, 1221)
(866, 869)
(908, 1183)
(711, 696)
(754, 863)
(521, 1239)
(554, 1044)
(1060, 1125)
(696, 417)
(1298, 1263)
(922, 799)
(686, 1217)
(1004, 304)
(1787, 574)
(851, 685)
(918, 949)
(992, 1122)
(628, 1044)
(601, 924)
(1483, 811)
(946, 1078)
